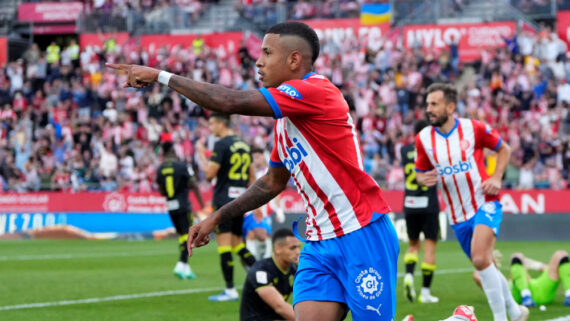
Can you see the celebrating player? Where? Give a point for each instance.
(350, 258)
(450, 153)
(421, 210)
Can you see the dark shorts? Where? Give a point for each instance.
(182, 220)
(234, 226)
(427, 222)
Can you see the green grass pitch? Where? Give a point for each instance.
(133, 280)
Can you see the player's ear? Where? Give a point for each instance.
(295, 60)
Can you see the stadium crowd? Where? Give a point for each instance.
(66, 123)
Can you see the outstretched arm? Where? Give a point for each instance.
(261, 192)
(210, 96)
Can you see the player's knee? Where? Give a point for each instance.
(480, 261)
(559, 254)
(517, 258)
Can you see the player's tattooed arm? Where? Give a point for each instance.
(221, 99)
(210, 96)
(260, 193)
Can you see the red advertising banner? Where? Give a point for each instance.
(472, 37)
(3, 51)
(50, 11)
(339, 30)
(563, 23)
(517, 202)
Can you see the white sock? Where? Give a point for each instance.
(425, 291)
(567, 293)
(179, 266)
(492, 286)
(512, 306)
(252, 247)
(268, 247)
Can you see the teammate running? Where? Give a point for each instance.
(450, 153)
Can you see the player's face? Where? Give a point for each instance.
(438, 110)
(272, 68)
(214, 126)
(289, 249)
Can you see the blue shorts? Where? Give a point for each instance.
(249, 223)
(490, 214)
(357, 269)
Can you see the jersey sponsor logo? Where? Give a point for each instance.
(416, 201)
(290, 90)
(294, 155)
(369, 284)
(172, 205)
(460, 167)
(487, 128)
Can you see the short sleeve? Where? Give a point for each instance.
(485, 136)
(274, 159)
(423, 163)
(259, 278)
(295, 98)
(218, 153)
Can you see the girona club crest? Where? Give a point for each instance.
(464, 144)
(115, 202)
(369, 284)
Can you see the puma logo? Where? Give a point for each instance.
(371, 308)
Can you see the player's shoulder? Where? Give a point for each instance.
(295, 87)
(425, 132)
(265, 265)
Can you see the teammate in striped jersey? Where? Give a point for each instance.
(349, 260)
(450, 153)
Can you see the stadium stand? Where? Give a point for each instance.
(65, 125)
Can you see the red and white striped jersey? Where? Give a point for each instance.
(316, 140)
(458, 158)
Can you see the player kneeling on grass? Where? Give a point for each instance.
(269, 282)
(541, 290)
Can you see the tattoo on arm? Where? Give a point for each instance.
(215, 97)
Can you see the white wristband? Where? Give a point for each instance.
(164, 77)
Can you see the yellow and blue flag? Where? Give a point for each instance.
(375, 13)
